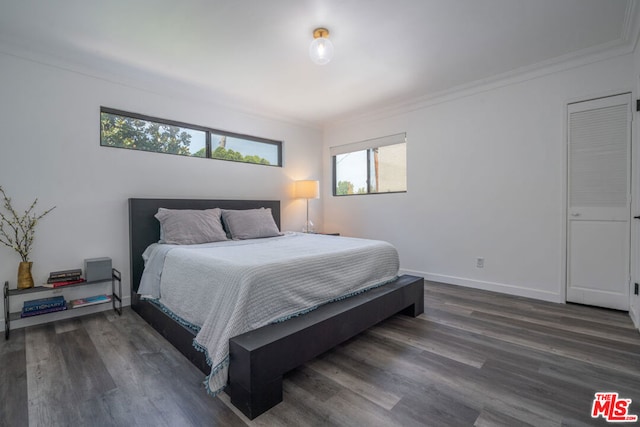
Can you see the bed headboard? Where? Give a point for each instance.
(144, 228)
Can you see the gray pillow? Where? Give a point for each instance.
(190, 227)
(250, 223)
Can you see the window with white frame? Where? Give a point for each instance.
(370, 167)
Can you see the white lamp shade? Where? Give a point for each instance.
(307, 189)
(321, 50)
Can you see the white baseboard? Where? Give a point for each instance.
(489, 286)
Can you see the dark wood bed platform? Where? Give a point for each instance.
(259, 358)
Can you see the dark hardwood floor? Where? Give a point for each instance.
(473, 358)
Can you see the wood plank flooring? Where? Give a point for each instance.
(473, 358)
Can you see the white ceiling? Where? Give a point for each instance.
(253, 54)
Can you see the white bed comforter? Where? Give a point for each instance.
(228, 288)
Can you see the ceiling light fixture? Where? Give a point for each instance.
(321, 49)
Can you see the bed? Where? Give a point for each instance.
(258, 358)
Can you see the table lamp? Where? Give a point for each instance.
(307, 189)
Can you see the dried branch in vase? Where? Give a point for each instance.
(18, 231)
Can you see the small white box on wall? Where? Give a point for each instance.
(96, 269)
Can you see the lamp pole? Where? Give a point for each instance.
(306, 226)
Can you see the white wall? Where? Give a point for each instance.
(486, 178)
(485, 173)
(49, 148)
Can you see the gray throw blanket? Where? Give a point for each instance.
(224, 289)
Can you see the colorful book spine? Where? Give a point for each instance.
(63, 283)
(42, 311)
(82, 302)
(45, 306)
(65, 273)
(63, 279)
(49, 300)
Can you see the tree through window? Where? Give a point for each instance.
(138, 132)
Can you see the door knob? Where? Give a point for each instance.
(637, 217)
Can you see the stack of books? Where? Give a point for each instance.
(82, 302)
(43, 306)
(63, 278)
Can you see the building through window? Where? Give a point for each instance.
(370, 167)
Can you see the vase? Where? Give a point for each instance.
(25, 280)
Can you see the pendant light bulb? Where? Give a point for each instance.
(321, 49)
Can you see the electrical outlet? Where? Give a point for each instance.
(480, 262)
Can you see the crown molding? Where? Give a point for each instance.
(153, 84)
(520, 75)
(625, 45)
(631, 26)
(167, 86)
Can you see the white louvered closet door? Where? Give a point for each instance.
(599, 201)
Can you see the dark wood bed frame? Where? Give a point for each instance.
(259, 358)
